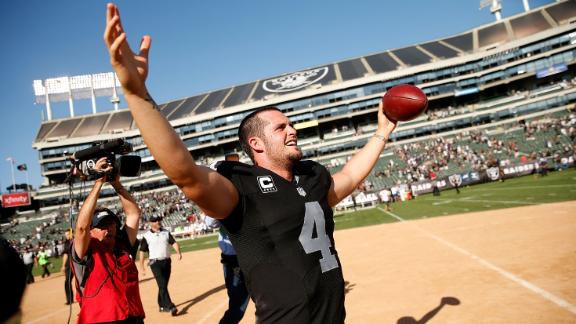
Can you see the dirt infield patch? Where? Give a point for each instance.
(505, 266)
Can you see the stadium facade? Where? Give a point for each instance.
(500, 72)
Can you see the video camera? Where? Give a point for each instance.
(125, 165)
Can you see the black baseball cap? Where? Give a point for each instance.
(101, 214)
(154, 218)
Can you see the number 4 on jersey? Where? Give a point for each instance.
(314, 218)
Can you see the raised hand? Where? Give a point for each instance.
(131, 68)
(103, 168)
(384, 123)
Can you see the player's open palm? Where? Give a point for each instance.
(131, 68)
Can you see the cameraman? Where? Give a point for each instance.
(103, 257)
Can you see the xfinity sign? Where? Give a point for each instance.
(15, 199)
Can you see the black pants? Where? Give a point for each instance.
(45, 271)
(68, 285)
(161, 270)
(129, 320)
(237, 293)
(29, 275)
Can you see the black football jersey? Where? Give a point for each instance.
(283, 234)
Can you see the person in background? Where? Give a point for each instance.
(43, 262)
(103, 256)
(157, 241)
(67, 248)
(238, 296)
(29, 258)
(13, 270)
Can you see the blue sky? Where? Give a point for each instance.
(198, 46)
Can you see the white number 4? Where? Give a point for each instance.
(314, 218)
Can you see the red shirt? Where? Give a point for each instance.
(107, 285)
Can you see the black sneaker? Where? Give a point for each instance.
(172, 310)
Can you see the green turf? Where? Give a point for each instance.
(54, 267)
(205, 242)
(201, 243)
(523, 191)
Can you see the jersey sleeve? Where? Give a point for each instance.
(144, 245)
(171, 239)
(326, 177)
(67, 248)
(225, 168)
(232, 171)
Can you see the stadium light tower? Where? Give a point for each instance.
(495, 7)
(76, 87)
(11, 161)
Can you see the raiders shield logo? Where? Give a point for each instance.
(493, 173)
(455, 180)
(295, 81)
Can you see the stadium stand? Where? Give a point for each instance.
(499, 94)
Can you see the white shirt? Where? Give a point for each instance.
(158, 244)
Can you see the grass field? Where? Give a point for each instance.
(523, 191)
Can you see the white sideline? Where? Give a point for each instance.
(218, 308)
(447, 201)
(214, 310)
(528, 187)
(539, 291)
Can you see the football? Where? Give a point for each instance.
(404, 102)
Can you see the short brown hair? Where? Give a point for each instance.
(250, 126)
(232, 157)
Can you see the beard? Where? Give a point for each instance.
(284, 155)
(295, 156)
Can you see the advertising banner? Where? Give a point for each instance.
(520, 170)
(455, 180)
(15, 199)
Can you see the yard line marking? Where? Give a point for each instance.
(529, 187)
(447, 201)
(493, 223)
(539, 291)
(213, 311)
(443, 202)
(505, 201)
